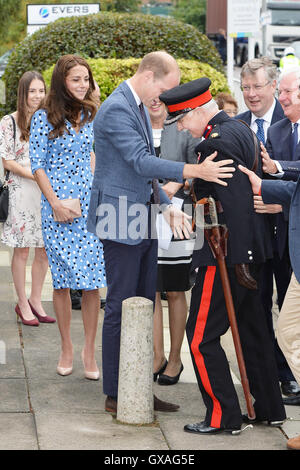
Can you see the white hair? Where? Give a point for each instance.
(291, 70)
(210, 105)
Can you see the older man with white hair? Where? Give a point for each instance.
(248, 247)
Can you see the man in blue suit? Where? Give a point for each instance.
(280, 159)
(125, 173)
(258, 82)
(287, 193)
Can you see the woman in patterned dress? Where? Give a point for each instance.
(22, 228)
(61, 140)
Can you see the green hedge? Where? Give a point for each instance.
(109, 73)
(106, 35)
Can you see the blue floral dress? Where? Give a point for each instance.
(75, 255)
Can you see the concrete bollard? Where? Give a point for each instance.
(135, 392)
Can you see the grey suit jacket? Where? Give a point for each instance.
(125, 167)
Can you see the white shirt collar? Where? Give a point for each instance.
(267, 117)
(295, 123)
(135, 95)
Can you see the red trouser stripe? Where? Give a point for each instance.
(197, 338)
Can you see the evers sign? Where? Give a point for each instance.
(44, 14)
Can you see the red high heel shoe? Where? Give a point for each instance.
(33, 322)
(41, 318)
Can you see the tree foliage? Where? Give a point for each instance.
(13, 16)
(109, 73)
(126, 6)
(192, 12)
(106, 35)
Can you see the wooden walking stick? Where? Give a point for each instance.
(216, 236)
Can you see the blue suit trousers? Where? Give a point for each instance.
(131, 270)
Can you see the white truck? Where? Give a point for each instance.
(283, 27)
(280, 26)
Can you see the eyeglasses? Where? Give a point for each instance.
(256, 88)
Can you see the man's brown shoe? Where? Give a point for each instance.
(159, 405)
(110, 405)
(294, 443)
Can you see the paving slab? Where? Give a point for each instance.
(96, 431)
(42, 410)
(14, 396)
(20, 432)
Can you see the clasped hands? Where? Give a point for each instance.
(62, 213)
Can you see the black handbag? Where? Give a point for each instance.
(4, 199)
(4, 195)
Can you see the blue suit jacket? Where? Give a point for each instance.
(275, 220)
(278, 147)
(287, 193)
(125, 167)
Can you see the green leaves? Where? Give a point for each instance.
(109, 73)
(106, 35)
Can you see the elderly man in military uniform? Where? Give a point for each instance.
(248, 247)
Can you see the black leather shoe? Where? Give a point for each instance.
(160, 405)
(160, 371)
(164, 379)
(294, 401)
(290, 388)
(275, 424)
(203, 428)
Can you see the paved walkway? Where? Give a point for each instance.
(42, 410)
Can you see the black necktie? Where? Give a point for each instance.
(294, 140)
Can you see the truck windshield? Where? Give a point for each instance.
(286, 17)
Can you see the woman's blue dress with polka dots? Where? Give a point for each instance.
(75, 255)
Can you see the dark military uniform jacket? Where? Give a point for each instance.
(249, 235)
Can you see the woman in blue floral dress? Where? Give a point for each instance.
(61, 140)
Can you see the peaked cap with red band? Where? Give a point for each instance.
(186, 97)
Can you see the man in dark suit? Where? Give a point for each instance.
(287, 193)
(248, 247)
(258, 82)
(281, 157)
(125, 173)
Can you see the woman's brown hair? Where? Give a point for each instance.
(23, 112)
(222, 98)
(60, 104)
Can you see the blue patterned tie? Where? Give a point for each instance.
(294, 140)
(260, 130)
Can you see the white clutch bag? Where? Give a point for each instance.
(73, 204)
